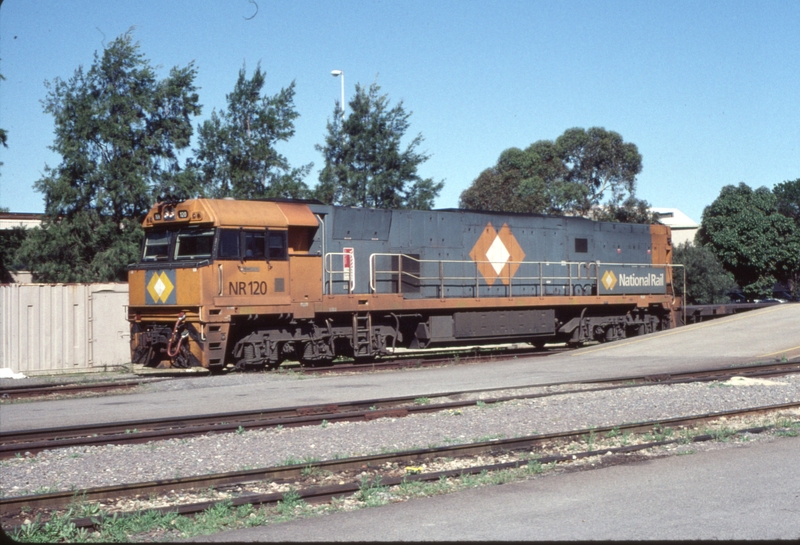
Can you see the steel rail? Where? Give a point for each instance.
(57, 499)
(142, 431)
(20, 392)
(403, 361)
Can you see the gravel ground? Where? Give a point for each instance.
(76, 468)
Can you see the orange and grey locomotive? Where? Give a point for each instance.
(225, 283)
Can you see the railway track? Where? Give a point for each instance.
(143, 431)
(532, 449)
(14, 393)
(410, 361)
(414, 360)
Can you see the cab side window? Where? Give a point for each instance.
(252, 245)
(255, 245)
(277, 245)
(228, 244)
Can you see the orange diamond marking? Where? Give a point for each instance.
(497, 254)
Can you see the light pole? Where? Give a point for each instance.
(336, 73)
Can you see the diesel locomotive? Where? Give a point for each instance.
(226, 283)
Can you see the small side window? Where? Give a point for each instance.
(228, 244)
(277, 245)
(254, 245)
(581, 245)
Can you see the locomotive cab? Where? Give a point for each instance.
(207, 265)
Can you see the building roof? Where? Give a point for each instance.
(674, 218)
(9, 220)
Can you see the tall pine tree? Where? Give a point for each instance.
(236, 155)
(366, 164)
(117, 129)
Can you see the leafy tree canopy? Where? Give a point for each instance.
(236, 154)
(117, 130)
(788, 196)
(365, 162)
(751, 238)
(707, 282)
(590, 173)
(10, 241)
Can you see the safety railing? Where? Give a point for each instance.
(561, 277)
(347, 272)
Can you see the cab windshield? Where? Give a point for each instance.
(193, 244)
(181, 245)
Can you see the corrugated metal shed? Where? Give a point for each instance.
(47, 328)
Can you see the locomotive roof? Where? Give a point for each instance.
(231, 213)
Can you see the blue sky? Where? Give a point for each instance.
(709, 91)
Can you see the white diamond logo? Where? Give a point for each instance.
(497, 254)
(159, 287)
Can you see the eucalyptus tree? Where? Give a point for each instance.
(584, 172)
(751, 238)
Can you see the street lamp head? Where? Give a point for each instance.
(335, 73)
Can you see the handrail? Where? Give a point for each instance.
(591, 268)
(328, 267)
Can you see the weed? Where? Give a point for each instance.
(324, 424)
(659, 433)
(290, 504)
(534, 466)
(290, 461)
(487, 438)
(590, 439)
(371, 492)
(722, 434)
(422, 401)
(613, 432)
(83, 508)
(240, 430)
(686, 436)
(310, 471)
(783, 422)
(45, 490)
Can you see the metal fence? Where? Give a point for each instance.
(56, 328)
